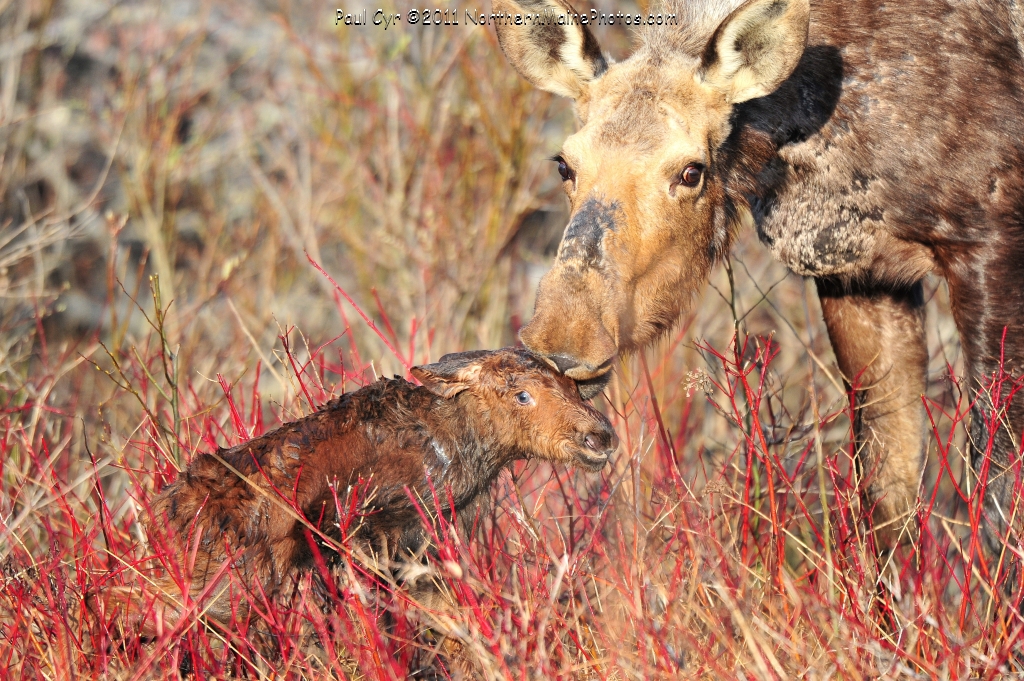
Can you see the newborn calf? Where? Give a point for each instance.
(475, 413)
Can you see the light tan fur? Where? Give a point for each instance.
(870, 334)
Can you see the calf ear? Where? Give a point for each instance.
(452, 374)
(558, 58)
(756, 48)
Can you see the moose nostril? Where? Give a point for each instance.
(602, 440)
(562, 363)
(599, 441)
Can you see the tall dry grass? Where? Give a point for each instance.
(169, 172)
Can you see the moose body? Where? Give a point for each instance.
(266, 508)
(869, 142)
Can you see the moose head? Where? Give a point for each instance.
(653, 191)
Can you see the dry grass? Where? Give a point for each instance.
(166, 169)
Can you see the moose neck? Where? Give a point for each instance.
(761, 128)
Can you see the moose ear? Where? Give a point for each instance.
(562, 59)
(755, 48)
(452, 374)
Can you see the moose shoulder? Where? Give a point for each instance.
(870, 143)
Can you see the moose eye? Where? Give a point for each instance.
(690, 177)
(523, 398)
(563, 169)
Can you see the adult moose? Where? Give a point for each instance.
(870, 142)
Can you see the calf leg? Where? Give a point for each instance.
(879, 341)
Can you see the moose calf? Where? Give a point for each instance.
(268, 509)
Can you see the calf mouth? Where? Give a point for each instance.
(591, 461)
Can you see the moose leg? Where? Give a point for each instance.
(986, 289)
(879, 341)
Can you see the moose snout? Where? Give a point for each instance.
(563, 363)
(581, 352)
(567, 328)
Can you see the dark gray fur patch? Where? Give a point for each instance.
(582, 240)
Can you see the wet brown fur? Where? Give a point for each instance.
(869, 142)
(388, 440)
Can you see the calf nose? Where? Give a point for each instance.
(602, 440)
(563, 363)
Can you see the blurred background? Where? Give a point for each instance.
(217, 144)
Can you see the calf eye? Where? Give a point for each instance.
(690, 177)
(524, 398)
